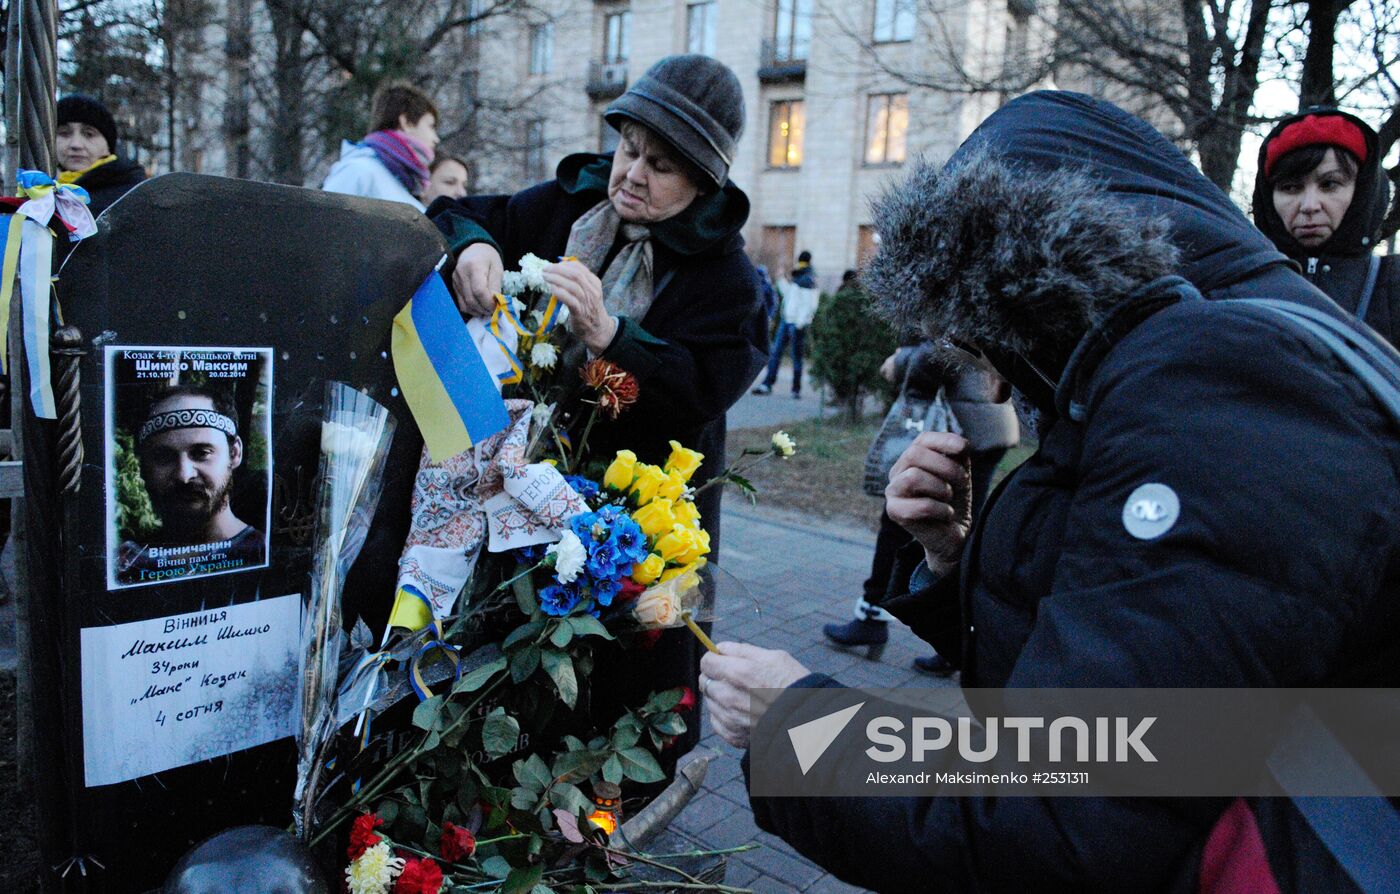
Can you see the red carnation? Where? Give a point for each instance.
(687, 699)
(362, 836)
(456, 844)
(420, 875)
(630, 590)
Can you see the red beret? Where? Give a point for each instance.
(1316, 130)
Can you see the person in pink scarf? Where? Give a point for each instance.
(391, 162)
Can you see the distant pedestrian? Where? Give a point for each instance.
(447, 176)
(391, 162)
(979, 401)
(87, 152)
(799, 305)
(770, 297)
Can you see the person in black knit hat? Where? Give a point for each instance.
(87, 152)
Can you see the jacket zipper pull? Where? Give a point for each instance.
(1312, 266)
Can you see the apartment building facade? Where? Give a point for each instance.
(832, 115)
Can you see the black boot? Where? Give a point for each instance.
(934, 665)
(859, 632)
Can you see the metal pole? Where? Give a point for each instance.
(34, 36)
(30, 112)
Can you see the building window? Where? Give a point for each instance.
(867, 243)
(541, 48)
(894, 20)
(792, 30)
(886, 125)
(534, 150)
(616, 40)
(700, 28)
(786, 122)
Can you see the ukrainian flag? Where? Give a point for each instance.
(448, 388)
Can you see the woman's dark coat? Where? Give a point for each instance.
(694, 354)
(107, 183)
(1281, 570)
(1341, 266)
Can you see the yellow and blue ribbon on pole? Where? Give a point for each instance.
(28, 257)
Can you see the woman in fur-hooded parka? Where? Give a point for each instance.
(1051, 240)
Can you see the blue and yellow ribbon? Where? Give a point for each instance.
(503, 315)
(415, 673)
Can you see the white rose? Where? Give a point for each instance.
(544, 355)
(569, 556)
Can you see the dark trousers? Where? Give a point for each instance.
(786, 332)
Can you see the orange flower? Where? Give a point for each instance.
(617, 389)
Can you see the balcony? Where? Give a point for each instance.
(606, 79)
(779, 62)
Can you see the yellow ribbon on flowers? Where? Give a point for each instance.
(503, 315)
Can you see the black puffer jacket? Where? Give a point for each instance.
(1342, 265)
(1280, 571)
(694, 354)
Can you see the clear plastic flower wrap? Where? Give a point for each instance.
(355, 436)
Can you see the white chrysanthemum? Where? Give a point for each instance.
(512, 283)
(532, 269)
(783, 444)
(374, 871)
(544, 355)
(517, 307)
(569, 556)
(541, 414)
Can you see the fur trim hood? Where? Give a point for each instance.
(1052, 212)
(987, 252)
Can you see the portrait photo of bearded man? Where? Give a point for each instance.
(190, 449)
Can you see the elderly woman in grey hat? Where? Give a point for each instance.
(661, 287)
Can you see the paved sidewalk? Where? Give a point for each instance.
(803, 574)
(757, 410)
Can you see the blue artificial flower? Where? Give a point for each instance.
(604, 590)
(630, 541)
(612, 512)
(583, 486)
(582, 525)
(530, 555)
(604, 561)
(559, 599)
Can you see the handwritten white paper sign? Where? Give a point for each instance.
(172, 691)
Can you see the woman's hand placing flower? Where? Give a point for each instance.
(580, 290)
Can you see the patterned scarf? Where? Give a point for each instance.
(627, 283)
(406, 158)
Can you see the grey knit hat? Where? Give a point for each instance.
(694, 103)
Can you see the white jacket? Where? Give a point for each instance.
(360, 173)
(799, 303)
